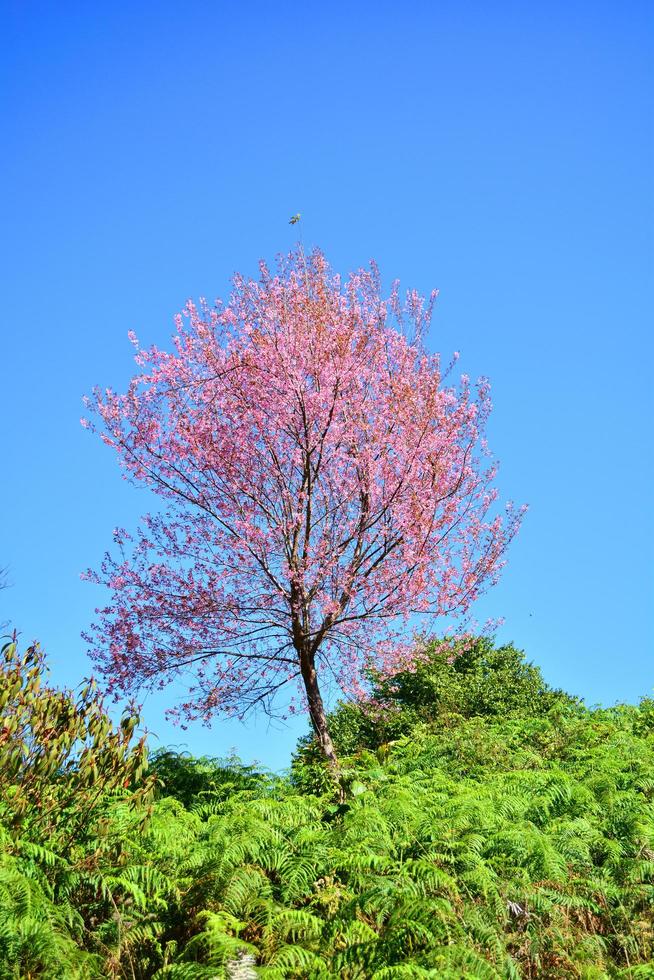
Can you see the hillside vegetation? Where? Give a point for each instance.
(493, 828)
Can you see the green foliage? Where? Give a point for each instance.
(61, 757)
(468, 678)
(72, 790)
(519, 848)
(194, 780)
(446, 682)
(513, 838)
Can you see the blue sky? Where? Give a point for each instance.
(499, 152)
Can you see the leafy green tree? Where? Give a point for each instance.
(445, 681)
(72, 789)
(61, 757)
(469, 678)
(192, 780)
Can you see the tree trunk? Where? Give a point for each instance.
(318, 715)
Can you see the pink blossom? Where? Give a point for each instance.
(322, 484)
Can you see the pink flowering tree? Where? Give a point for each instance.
(321, 486)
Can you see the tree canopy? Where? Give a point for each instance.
(322, 482)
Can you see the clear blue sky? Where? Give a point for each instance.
(501, 152)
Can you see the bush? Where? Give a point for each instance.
(192, 780)
(513, 838)
(72, 790)
(446, 682)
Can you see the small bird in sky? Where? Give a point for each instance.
(294, 220)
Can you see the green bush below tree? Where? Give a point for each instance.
(493, 828)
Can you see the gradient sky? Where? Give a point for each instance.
(500, 152)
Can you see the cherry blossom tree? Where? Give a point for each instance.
(322, 486)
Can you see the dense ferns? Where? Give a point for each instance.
(484, 846)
